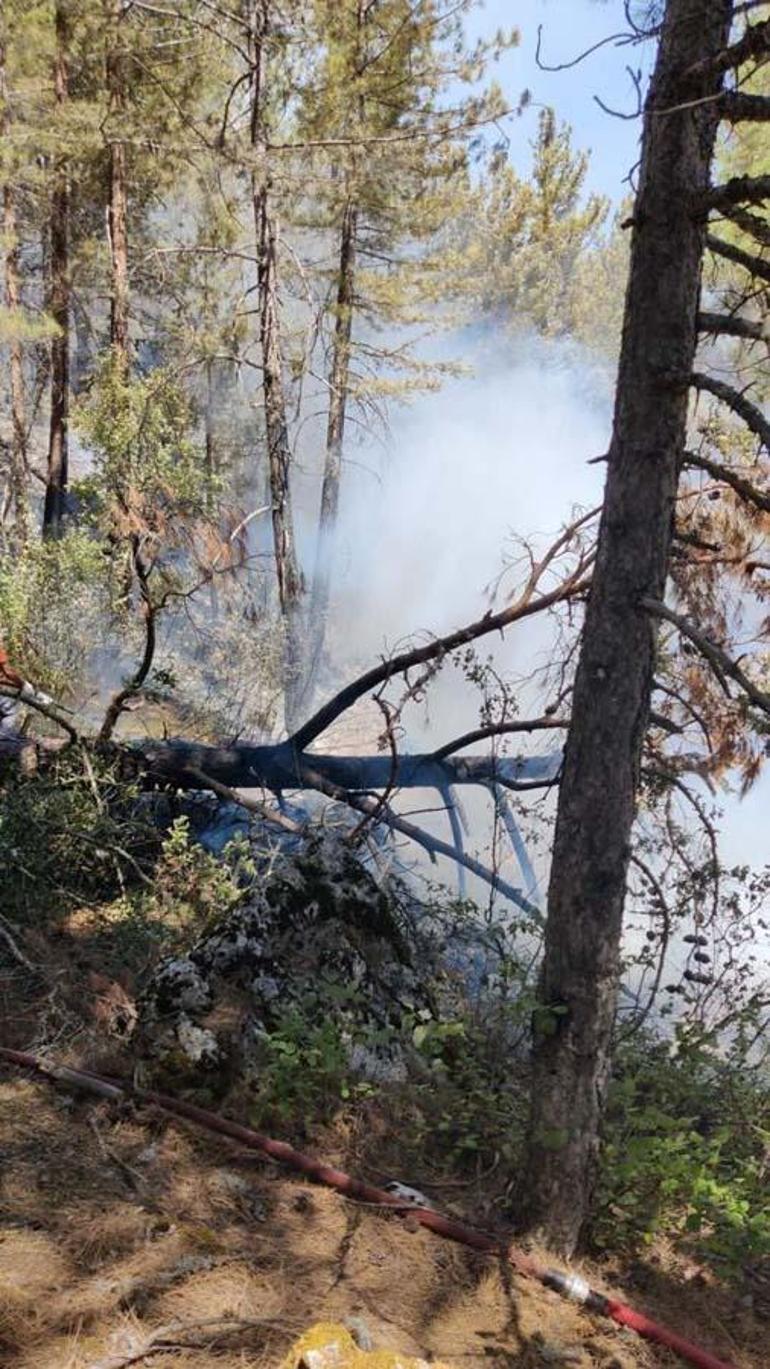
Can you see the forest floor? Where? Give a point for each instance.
(122, 1232)
(128, 1237)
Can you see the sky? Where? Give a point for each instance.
(568, 28)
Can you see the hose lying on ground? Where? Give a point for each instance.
(569, 1285)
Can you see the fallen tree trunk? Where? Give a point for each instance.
(280, 767)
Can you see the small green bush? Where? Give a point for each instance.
(687, 1147)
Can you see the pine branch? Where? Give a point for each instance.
(736, 106)
(723, 665)
(733, 325)
(750, 413)
(755, 44)
(754, 265)
(743, 487)
(738, 190)
(756, 228)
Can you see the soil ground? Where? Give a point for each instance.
(128, 1237)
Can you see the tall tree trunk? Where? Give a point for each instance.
(117, 207)
(339, 384)
(18, 451)
(288, 574)
(17, 474)
(573, 1023)
(59, 307)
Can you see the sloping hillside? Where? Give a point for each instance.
(126, 1238)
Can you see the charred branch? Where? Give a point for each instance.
(280, 767)
(737, 482)
(750, 413)
(739, 190)
(757, 228)
(736, 106)
(753, 46)
(733, 325)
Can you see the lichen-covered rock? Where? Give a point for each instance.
(317, 933)
(329, 1346)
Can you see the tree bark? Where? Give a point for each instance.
(117, 206)
(17, 481)
(59, 307)
(573, 1021)
(288, 575)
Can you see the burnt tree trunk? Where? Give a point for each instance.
(573, 1022)
(288, 575)
(17, 472)
(59, 308)
(18, 456)
(117, 191)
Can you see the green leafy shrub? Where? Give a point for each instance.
(305, 1073)
(687, 1146)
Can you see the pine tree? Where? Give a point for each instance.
(389, 171)
(59, 297)
(611, 698)
(16, 498)
(528, 239)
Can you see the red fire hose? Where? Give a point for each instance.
(569, 1285)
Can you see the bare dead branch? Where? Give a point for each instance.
(750, 413)
(733, 325)
(722, 664)
(738, 190)
(480, 734)
(736, 106)
(617, 39)
(630, 115)
(433, 845)
(717, 471)
(262, 810)
(526, 605)
(17, 954)
(756, 266)
(754, 44)
(757, 228)
(120, 699)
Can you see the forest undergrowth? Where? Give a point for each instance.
(154, 1224)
